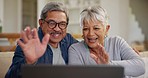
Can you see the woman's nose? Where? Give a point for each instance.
(91, 32)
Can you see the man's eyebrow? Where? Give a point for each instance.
(64, 21)
(55, 21)
(50, 20)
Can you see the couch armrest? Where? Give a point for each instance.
(5, 62)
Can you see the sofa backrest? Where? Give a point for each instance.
(5, 62)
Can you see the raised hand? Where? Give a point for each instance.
(99, 55)
(31, 45)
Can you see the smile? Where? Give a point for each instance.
(55, 34)
(92, 40)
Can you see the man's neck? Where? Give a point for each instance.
(54, 45)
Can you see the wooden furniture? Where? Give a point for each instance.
(77, 36)
(7, 48)
(11, 37)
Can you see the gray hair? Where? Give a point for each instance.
(94, 12)
(54, 6)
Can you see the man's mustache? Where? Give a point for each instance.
(55, 32)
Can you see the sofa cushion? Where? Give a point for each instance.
(5, 62)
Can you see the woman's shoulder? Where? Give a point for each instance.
(78, 44)
(114, 38)
(78, 47)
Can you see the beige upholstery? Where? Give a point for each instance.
(144, 56)
(5, 61)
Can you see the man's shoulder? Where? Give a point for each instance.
(68, 35)
(69, 38)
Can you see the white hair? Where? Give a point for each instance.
(92, 13)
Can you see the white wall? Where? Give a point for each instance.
(122, 20)
(140, 12)
(40, 5)
(19, 16)
(12, 20)
(119, 17)
(118, 10)
(1, 11)
(135, 29)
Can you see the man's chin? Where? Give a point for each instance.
(55, 40)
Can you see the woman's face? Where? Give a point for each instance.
(94, 32)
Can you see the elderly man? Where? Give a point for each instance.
(48, 44)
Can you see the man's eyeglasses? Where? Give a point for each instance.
(52, 24)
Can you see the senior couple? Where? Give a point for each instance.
(50, 44)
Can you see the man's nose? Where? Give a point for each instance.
(57, 27)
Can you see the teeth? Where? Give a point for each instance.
(92, 40)
(56, 35)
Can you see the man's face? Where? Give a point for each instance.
(50, 26)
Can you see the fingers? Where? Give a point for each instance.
(99, 59)
(20, 43)
(24, 37)
(34, 33)
(45, 39)
(100, 55)
(28, 34)
(93, 56)
(103, 56)
(103, 59)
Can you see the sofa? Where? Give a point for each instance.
(6, 59)
(144, 56)
(5, 62)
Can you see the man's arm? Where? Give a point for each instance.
(28, 51)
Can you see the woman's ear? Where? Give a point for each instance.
(107, 29)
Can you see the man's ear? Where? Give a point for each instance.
(40, 22)
(107, 29)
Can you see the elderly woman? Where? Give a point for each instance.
(98, 48)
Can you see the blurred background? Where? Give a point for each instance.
(128, 18)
